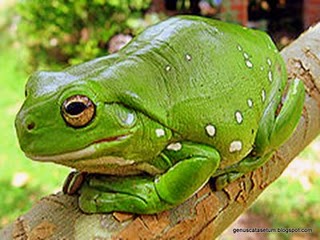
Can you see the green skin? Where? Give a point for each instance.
(188, 99)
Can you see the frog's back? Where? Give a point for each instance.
(227, 78)
(207, 80)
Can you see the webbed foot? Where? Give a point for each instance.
(136, 194)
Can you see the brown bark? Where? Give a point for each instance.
(208, 213)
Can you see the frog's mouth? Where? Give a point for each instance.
(87, 152)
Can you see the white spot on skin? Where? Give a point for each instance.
(239, 117)
(250, 103)
(263, 95)
(132, 94)
(246, 55)
(174, 146)
(249, 64)
(168, 68)
(160, 132)
(211, 130)
(261, 68)
(235, 146)
(188, 57)
(239, 48)
(270, 76)
(269, 61)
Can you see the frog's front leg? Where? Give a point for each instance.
(274, 130)
(192, 166)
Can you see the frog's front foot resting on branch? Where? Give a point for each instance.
(151, 194)
(136, 194)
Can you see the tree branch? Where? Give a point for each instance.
(207, 214)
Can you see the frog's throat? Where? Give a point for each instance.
(83, 154)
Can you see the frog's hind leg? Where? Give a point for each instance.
(274, 130)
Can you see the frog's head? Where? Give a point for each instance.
(65, 119)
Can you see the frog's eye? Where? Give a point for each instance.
(78, 111)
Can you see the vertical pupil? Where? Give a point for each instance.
(75, 108)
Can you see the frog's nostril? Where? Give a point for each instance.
(31, 126)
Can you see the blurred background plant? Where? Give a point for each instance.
(54, 34)
(69, 32)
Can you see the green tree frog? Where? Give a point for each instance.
(187, 100)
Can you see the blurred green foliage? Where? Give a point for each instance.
(68, 32)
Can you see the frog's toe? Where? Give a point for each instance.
(102, 197)
(223, 180)
(95, 201)
(73, 182)
(88, 201)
